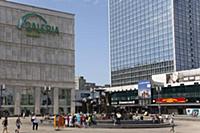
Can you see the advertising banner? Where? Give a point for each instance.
(183, 76)
(177, 77)
(171, 100)
(173, 77)
(144, 89)
(193, 112)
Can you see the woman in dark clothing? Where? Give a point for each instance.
(18, 124)
(5, 125)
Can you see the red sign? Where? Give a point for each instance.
(171, 100)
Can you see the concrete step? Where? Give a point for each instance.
(106, 125)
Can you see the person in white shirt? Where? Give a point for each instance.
(118, 115)
(35, 122)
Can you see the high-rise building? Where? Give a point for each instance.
(152, 36)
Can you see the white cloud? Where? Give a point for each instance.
(95, 2)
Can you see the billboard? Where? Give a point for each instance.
(177, 77)
(172, 78)
(193, 111)
(171, 100)
(144, 89)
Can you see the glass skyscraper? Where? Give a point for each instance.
(150, 37)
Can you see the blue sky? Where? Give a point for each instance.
(91, 37)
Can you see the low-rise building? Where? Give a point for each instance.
(165, 93)
(86, 96)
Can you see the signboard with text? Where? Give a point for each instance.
(35, 25)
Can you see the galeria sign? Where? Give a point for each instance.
(33, 28)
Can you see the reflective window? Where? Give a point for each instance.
(140, 37)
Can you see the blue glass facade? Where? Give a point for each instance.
(150, 37)
(187, 34)
(141, 39)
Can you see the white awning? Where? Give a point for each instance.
(122, 88)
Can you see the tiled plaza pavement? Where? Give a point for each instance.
(183, 127)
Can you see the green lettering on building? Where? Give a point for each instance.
(34, 29)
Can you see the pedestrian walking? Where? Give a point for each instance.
(94, 119)
(172, 124)
(32, 119)
(83, 120)
(89, 120)
(74, 119)
(118, 115)
(24, 115)
(66, 120)
(35, 123)
(70, 121)
(60, 121)
(78, 119)
(114, 119)
(5, 125)
(18, 124)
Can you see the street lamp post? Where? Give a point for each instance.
(2, 88)
(92, 102)
(158, 89)
(47, 89)
(93, 90)
(97, 104)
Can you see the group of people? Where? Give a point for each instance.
(168, 118)
(71, 120)
(85, 120)
(156, 118)
(74, 120)
(5, 125)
